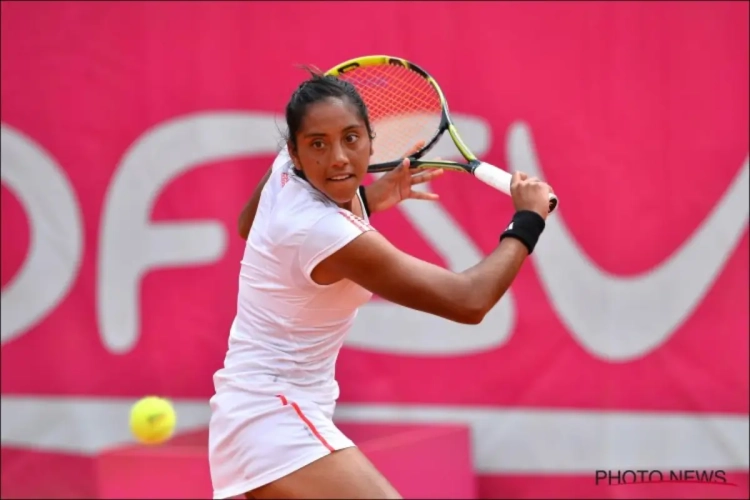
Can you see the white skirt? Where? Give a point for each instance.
(256, 438)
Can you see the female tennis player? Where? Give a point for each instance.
(311, 260)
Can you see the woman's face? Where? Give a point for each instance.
(333, 149)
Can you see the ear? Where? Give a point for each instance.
(293, 154)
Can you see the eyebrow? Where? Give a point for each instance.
(321, 134)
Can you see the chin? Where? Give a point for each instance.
(342, 194)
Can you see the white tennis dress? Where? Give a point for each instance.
(275, 396)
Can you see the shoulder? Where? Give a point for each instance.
(333, 229)
(314, 213)
(340, 220)
(298, 207)
(315, 225)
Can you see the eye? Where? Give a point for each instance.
(317, 144)
(351, 138)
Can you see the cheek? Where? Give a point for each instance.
(362, 156)
(314, 164)
(368, 150)
(364, 148)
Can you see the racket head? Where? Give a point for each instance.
(405, 105)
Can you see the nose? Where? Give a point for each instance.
(338, 156)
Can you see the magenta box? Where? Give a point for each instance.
(421, 461)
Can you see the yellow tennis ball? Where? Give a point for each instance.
(152, 420)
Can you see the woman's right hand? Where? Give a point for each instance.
(529, 193)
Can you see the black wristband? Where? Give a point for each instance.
(527, 227)
(364, 200)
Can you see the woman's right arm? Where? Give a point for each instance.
(247, 216)
(371, 261)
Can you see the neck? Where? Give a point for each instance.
(347, 205)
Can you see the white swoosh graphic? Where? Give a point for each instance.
(131, 244)
(389, 328)
(622, 318)
(56, 233)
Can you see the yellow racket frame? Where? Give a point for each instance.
(446, 123)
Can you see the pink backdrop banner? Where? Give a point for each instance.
(133, 133)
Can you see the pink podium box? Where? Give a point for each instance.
(421, 461)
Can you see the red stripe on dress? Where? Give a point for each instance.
(307, 422)
(359, 223)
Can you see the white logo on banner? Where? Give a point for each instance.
(615, 318)
(55, 229)
(621, 318)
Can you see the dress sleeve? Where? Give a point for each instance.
(328, 235)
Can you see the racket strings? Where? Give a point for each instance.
(404, 108)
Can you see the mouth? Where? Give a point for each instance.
(341, 178)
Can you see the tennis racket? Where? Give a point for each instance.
(406, 106)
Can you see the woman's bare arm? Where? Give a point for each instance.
(247, 216)
(374, 263)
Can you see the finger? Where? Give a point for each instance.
(419, 195)
(405, 165)
(425, 169)
(426, 176)
(429, 174)
(517, 177)
(415, 148)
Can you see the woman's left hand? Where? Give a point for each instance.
(396, 185)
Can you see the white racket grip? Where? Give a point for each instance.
(500, 180)
(493, 176)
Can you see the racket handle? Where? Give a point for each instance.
(500, 180)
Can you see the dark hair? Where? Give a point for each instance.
(318, 88)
